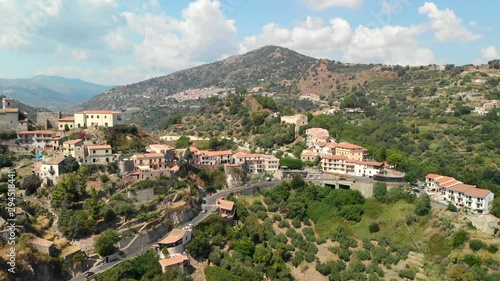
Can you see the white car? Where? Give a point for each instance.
(190, 225)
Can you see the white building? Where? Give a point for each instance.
(316, 135)
(36, 139)
(176, 241)
(340, 164)
(68, 120)
(97, 118)
(99, 154)
(205, 157)
(468, 196)
(74, 148)
(257, 163)
(51, 170)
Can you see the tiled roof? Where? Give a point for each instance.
(73, 141)
(42, 242)
(99, 112)
(148, 155)
(214, 153)
(37, 132)
(175, 235)
(67, 118)
(160, 147)
(477, 192)
(173, 261)
(432, 176)
(226, 204)
(461, 187)
(101, 146)
(53, 161)
(335, 157)
(347, 145)
(450, 184)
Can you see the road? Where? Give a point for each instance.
(209, 206)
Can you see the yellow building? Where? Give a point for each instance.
(97, 118)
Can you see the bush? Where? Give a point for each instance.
(362, 255)
(351, 212)
(493, 248)
(452, 208)
(476, 245)
(459, 238)
(407, 274)
(472, 260)
(374, 227)
(296, 223)
(283, 224)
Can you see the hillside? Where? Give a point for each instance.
(24, 108)
(52, 92)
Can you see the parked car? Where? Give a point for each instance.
(342, 179)
(204, 211)
(190, 225)
(88, 274)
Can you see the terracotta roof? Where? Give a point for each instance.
(477, 192)
(442, 180)
(347, 145)
(214, 153)
(175, 235)
(73, 141)
(148, 155)
(249, 155)
(371, 163)
(9, 110)
(37, 132)
(226, 205)
(53, 161)
(460, 187)
(309, 153)
(42, 242)
(99, 112)
(174, 169)
(67, 118)
(335, 157)
(101, 146)
(193, 149)
(160, 147)
(173, 261)
(450, 184)
(432, 176)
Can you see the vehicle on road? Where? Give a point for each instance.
(88, 274)
(190, 225)
(342, 179)
(204, 211)
(213, 212)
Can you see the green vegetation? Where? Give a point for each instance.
(104, 245)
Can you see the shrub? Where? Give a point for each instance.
(276, 217)
(452, 208)
(351, 212)
(321, 240)
(408, 274)
(283, 224)
(296, 223)
(374, 227)
(459, 238)
(493, 248)
(472, 260)
(476, 245)
(362, 255)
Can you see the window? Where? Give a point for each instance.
(97, 116)
(92, 116)
(93, 151)
(106, 151)
(94, 160)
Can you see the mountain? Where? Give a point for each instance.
(52, 92)
(29, 111)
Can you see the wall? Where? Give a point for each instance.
(47, 119)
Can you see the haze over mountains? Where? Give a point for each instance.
(52, 92)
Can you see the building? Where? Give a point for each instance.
(166, 150)
(47, 119)
(297, 119)
(351, 151)
(340, 164)
(97, 118)
(205, 157)
(180, 261)
(316, 135)
(257, 163)
(44, 246)
(226, 208)
(334, 164)
(149, 161)
(74, 148)
(36, 139)
(367, 168)
(51, 170)
(309, 156)
(176, 240)
(11, 118)
(435, 182)
(324, 149)
(98, 154)
(468, 196)
(56, 143)
(68, 121)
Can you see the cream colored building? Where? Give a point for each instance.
(316, 135)
(74, 148)
(309, 156)
(36, 139)
(97, 118)
(351, 151)
(10, 117)
(176, 241)
(99, 154)
(205, 157)
(154, 161)
(257, 163)
(51, 170)
(68, 120)
(297, 119)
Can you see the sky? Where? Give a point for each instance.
(117, 42)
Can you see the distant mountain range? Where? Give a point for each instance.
(52, 92)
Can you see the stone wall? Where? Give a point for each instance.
(47, 119)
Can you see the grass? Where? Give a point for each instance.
(251, 198)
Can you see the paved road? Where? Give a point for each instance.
(209, 206)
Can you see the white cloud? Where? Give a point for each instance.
(312, 37)
(116, 40)
(204, 34)
(489, 53)
(80, 54)
(325, 4)
(446, 25)
(388, 45)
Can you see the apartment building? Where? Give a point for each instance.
(257, 163)
(468, 196)
(334, 164)
(309, 156)
(351, 151)
(153, 161)
(75, 148)
(68, 121)
(316, 135)
(51, 169)
(99, 154)
(36, 139)
(434, 183)
(97, 118)
(205, 157)
(340, 164)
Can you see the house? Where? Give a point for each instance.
(51, 170)
(226, 208)
(150, 161)
(56, 143)
(180, 261)
(367, 168)
(340, 164)
(176, 240)
(324, 149)
(257, 163)
(36, 139)
(309, 156)
(74, 148)
(297, 119)
(464, 195)
(98, 118)
(11, 118)
(435, 182)
(44, 246)
(68, 121)
(98, 154)
(334, 164)
(351, 151)
(316, 135)
(205, 157)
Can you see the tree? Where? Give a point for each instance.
(66, 127)
(105, 244)
(70, 164)
(244, 247)
(423, 205)
(76, 224)
(380, 191)
(373, 227)
(297, 182)
(460, 237)
(199, 247)
(262, 254)
(495, 207)
(31, 183)
(291, 163)
(182, 142)
(476, 245)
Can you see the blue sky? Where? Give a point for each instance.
(117, 42)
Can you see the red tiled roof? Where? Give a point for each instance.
(102, 146)
(98, 111)
(248, 155)
(226, 204)
(461, 187)
(173, 261)
(174, 169)
(477, 192)
(67, 118)
(73, 141)
(215, 153)
(37, 132)
(450, 183)
(442, 180)
(432, 176)
(371, 163)
(347, 145)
